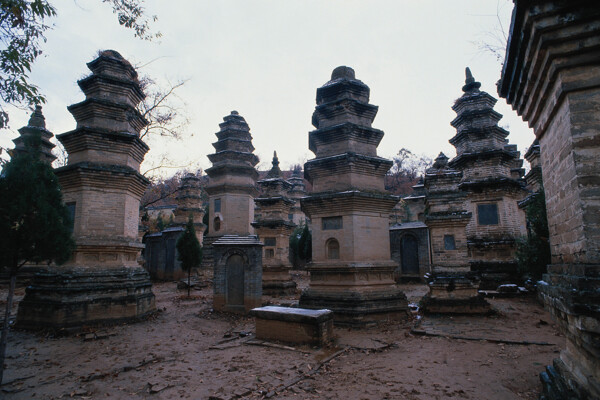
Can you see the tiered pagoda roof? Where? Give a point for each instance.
(36, 127)
(344, 143)
(482, 149)
(233, 149)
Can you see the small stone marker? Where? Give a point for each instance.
(293, 325)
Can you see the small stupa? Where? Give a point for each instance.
(34, 130)
(189, 203)
(274, 229)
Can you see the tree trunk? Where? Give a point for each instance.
(189, 273)
(4, 336)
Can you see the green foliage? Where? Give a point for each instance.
(533, 251)
(305, 244)
(131, 15)
(35, 225)
(205, 219)
(300, 246)
(160, 222)
(188, 246)
(22, 27)
(23, 24)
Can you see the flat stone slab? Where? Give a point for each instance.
(292, 314)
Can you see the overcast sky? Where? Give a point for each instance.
(266, 58)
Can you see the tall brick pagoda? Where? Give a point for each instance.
(351, 271)
(274, 229)
(492, 178)
(234, 252)
(36, 127)
(101, 183)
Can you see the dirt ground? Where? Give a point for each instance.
(187, 351)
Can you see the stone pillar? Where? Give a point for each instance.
(101, 183)
(274, 229)
(351, 271)
(551, 77)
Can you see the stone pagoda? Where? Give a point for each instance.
(351, 271)
(36, 128)
(234, 252)
(492, 178)
(274, 229)
(189, 203)
(102, 186)
(453, 288)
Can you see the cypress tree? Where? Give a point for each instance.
(188, 247)
(35, 225)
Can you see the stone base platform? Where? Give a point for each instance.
(277, 281)
(454, 295)
(358, 294)
(555, 387)
(294, 325)
(72, 297)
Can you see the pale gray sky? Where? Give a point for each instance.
(266, 58)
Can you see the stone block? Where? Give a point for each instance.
(294, 325)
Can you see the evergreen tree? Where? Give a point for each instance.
(188, 247)
(533, 252)
(305, 244)
(35, 225)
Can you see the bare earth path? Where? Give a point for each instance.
(186, 351)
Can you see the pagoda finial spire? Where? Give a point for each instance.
(37, 118)
(471, 84)
(275, 172)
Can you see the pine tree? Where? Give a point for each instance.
(188, 247)
(35, 225)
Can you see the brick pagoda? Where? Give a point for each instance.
(492, 179)
(36, 127)
(351, 271)
(274, 229)
(189, 203)
(235, 253)
(101, 183)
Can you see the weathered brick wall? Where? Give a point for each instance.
(570, 168)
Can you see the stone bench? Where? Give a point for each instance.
(294, 325)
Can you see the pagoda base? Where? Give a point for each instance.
(358, 294)
(277, 281)
(72, 297)
(454, 295)
(494, 274)
(572, 296)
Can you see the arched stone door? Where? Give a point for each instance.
(235, 280)
(410, 255)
